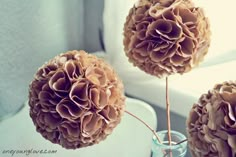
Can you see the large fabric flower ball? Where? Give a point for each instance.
(164, 37)
(76, 100)
(211, 124)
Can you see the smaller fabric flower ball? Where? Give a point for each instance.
(164, 37)
(76, 100)
(211, 125)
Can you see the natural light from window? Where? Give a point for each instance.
(184, 89)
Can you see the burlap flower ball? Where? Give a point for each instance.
(164, 37)
(211, 125)
(76, 100)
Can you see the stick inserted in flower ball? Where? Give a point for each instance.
(165, 37)
(76, 100)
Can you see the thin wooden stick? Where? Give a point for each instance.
(168, 112)
(153, 131)
(168, 115)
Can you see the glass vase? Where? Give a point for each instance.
(164, 149)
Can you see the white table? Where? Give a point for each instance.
(129, 139)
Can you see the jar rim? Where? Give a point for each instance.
(161, 145)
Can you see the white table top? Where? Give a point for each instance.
(130, 138)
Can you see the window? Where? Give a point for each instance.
(184, 89)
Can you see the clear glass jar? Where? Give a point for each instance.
(164, 149)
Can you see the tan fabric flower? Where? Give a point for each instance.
(76, 100)
(211, 124)
(164, 37)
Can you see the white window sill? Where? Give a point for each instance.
(184, 90)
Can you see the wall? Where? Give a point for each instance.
(31, 32)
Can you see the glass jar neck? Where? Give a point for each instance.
(164, 149)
